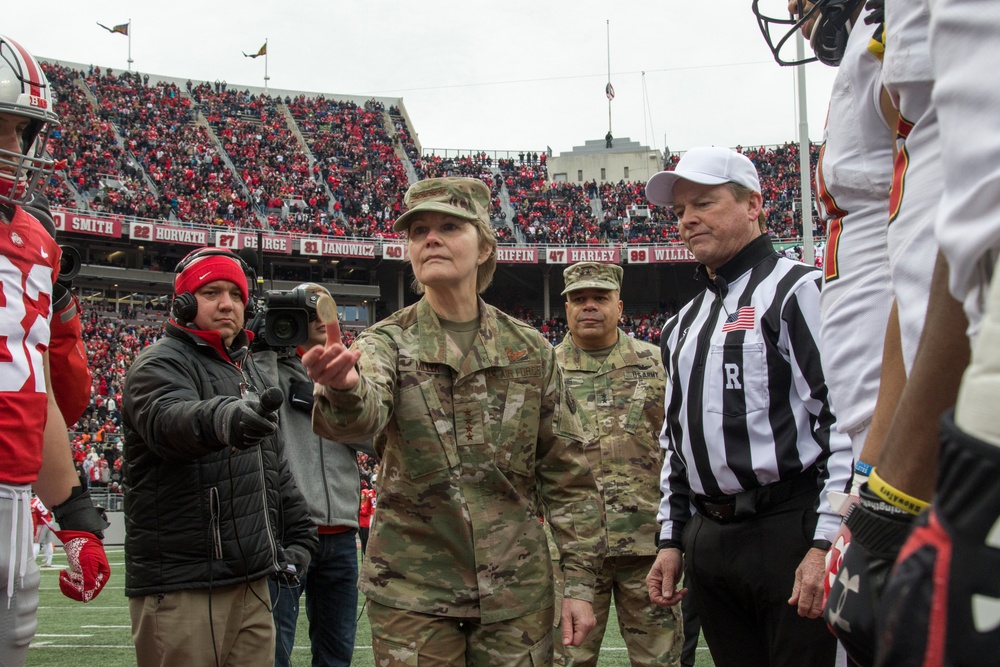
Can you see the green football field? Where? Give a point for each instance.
(71, 634)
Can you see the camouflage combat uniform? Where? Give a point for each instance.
(472, 444)
(620, 402)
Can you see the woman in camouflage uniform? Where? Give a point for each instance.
(479, 430)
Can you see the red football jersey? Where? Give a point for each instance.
(40, 515)
(29, 266)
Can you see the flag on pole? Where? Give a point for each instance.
(609, 91)
(121, 29)
(261, 52)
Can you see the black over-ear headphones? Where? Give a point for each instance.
(185, 307)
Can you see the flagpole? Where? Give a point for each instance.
(266, 77)
(805, 176)
(608, 23)
(130, 45)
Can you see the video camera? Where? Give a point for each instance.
(282, 317)
(69, 264)
(70, 261)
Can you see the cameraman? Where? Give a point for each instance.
(327, 472)
(208, 493)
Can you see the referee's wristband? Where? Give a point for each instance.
(894, 496)
(667, 544)
(863, 468)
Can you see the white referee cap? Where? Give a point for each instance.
(708, 166)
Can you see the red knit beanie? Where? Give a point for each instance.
(212, 267)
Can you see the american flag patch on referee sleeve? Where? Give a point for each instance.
(742, 319)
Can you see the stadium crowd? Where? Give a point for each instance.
(183, 161)
(211, 154)
(358, 161)
(264, 151)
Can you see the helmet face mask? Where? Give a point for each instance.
(24, 93)
(832, 20)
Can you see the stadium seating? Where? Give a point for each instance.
(133, 148)
(358, 161)
(266, 154)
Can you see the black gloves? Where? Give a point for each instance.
(297, 560)
(244, 423)
(940, 605)
(298, 556)
(877, 533)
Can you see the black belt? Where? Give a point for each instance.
(743, 505)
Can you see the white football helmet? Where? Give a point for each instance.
(25, 92)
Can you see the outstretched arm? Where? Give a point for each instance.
(333, 365)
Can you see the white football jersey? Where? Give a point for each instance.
(917, 176)
(966, 47)
(852, 184)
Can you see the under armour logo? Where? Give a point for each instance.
(985, 608)
(850, 585)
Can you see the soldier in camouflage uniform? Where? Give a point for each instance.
(478, 427)
(618, 383)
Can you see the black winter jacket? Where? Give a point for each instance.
(199, 514)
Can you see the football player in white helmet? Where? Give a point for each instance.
(26, 102)
(33, 441)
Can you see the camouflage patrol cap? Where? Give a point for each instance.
(466, 198)
(591, 274)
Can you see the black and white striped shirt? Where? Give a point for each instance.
(746, 400)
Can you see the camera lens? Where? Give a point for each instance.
(286, 319)
(284, 329)
(69, 263)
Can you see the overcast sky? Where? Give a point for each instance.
(506, 74)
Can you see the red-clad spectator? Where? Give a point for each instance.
(365, 513)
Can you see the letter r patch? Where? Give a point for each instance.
(733, 376)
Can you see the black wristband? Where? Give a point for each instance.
(669, 544)
(662, 544)
(61, 298)
(823, 545)
(78, 512)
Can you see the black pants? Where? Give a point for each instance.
(692, 630)
(363, 534)
(740, 577)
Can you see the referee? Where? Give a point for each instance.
(751, 444)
